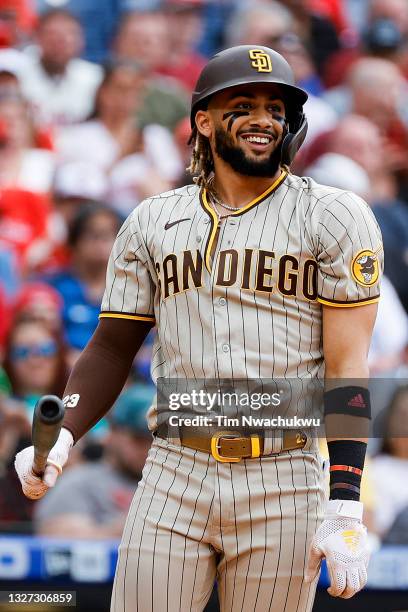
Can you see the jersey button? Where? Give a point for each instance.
(226, 348)
(199, 238)
(222, 301)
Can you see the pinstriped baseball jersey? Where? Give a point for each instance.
(243, 298)
(237, 299)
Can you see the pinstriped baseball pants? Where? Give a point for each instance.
(247, 525)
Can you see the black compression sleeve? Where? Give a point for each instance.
(346, 468)
(101, 371)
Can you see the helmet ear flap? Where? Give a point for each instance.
(294, 139)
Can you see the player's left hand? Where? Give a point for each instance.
(342, 540)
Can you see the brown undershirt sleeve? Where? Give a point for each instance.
(101, 371)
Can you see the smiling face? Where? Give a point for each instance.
(245, 126)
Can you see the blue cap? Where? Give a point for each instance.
(383, 35)
(130, 409)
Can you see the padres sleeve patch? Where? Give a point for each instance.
(365, 268)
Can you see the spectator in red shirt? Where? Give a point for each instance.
(17, 20)
(23, 226)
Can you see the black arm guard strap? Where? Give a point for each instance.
(350, 400)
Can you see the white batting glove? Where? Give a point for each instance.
(35, 487)
(342, 540)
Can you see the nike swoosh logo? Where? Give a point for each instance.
(169, 225)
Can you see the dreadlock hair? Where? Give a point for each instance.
(202, 163)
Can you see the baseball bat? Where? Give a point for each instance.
(47, 420)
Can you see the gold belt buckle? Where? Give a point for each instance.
(215, 447)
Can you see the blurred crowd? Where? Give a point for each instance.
(94, 117)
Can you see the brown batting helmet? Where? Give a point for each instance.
(252, 64)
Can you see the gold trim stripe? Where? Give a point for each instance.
(349, 304)
(213, 233)
(263, 195)
(114, 315)
(240, 211)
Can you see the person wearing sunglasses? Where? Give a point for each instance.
(34, 362)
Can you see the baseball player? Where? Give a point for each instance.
(250, 273)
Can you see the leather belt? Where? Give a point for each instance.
(231, 446)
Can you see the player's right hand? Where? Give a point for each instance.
(35, 487)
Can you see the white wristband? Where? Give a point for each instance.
(344, 508)
(66, 437)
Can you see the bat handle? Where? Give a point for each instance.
(47, 422)
(39, 463)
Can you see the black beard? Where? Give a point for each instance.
(239, 162)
